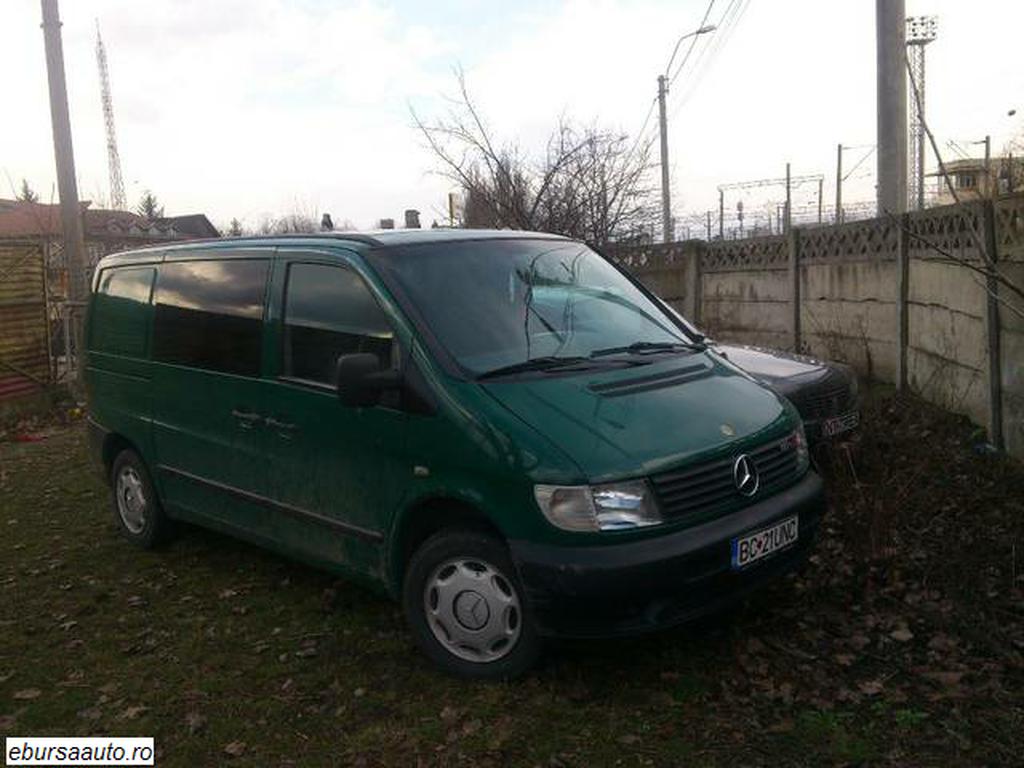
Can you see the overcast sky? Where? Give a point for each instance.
(253, 107)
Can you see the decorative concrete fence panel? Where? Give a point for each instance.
(947, 353)
(745, 291)
(1009, 231)
(849, 295)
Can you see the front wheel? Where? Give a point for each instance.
(466, 608)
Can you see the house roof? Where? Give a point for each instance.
(19, 218)
(193, 224)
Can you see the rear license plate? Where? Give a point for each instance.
(839, 424)
(755, 546)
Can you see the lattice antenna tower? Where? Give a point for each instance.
(117, 200)
(921, 30)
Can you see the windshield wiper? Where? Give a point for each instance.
(648, 347)
(544, 363)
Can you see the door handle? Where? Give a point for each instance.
(248, 418)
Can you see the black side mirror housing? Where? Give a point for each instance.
(361, 381)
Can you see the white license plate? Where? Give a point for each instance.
(839, 424)
(760, 544)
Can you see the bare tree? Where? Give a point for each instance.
(296, 221)
(589, 182)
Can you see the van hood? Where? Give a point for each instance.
(640, 420)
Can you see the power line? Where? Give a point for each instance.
(693, 43)
(640, 133)
(726, 27)
(720, 27)
(859, 162)
(650, 110)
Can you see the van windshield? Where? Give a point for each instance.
(509, 305)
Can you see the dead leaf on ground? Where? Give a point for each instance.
(948, 679)
(235, 748)
(871, 687)
(28, 694)
(194, 722)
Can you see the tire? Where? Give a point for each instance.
(137, 511)
(467, 609)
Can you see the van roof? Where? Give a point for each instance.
(382, 238)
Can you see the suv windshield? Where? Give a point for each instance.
(503, 304)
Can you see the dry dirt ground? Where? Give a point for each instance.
(901, 644)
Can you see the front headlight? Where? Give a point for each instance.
(798, 441)
(611, 507)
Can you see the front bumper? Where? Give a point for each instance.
(623, 589)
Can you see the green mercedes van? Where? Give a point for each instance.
(502, 430)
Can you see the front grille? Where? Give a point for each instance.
(697, 492)
(827, 398)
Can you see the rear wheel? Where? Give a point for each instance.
(466, 608)
(137, 510)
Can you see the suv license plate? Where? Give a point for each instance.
(839, 424)
(755, 546)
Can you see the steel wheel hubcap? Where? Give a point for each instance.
(131, 500)
(472, 609)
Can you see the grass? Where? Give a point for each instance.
(228, 654)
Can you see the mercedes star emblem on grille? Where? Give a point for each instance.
(744, 475)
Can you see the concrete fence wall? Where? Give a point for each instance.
(906, 300)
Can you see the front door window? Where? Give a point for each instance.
(329, 312)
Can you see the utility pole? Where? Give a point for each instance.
(71, 216)
(839, 184)
(988, 167)
(821, 184)
(663, 81)
(890, 39)
(789, 201)
(709, 226)
(666, 203)
(721, 214)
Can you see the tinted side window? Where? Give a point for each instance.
(209, 314)
(120, 311)
(329, 311)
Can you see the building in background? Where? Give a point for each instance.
(972, 180)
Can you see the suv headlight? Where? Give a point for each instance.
(611, 507)
(798, 441)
